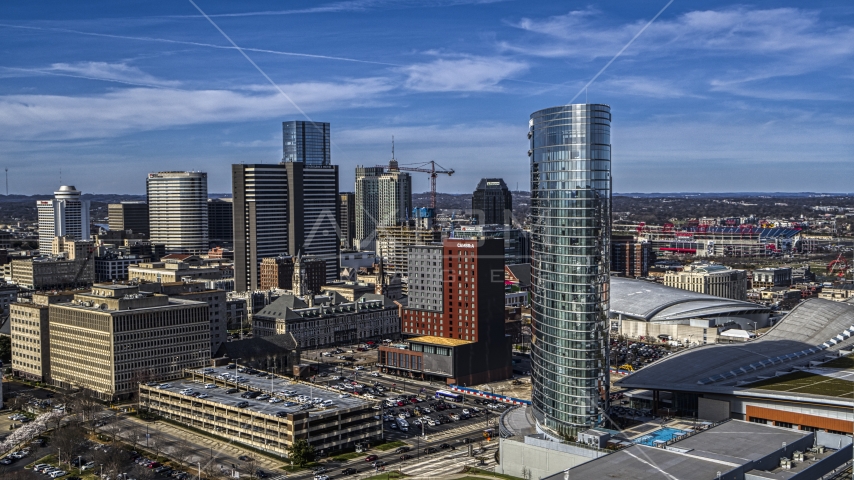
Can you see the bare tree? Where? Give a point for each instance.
(183, 452)
(113, 460)
(87, 404)
(68, 440)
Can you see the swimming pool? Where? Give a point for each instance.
(663, 434)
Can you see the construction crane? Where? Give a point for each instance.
(840, 264)
(422, 168)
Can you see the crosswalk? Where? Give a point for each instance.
(447, 464)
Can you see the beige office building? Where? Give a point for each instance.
(28, 325)
(167, 272)
(45, 273)
(711, 279)
(110, 340)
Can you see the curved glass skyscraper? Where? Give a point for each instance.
(570, 250)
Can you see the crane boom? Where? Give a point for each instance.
(433, 174)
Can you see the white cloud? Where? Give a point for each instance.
(643, 87)
(57, 117)
(465, 74)
(119, 72)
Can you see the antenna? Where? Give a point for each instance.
(392, 147)
(7, 181)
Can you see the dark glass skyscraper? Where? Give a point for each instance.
(306, 142)
(492, 203)
(570, 251)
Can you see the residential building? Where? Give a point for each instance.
(66, 215)
(178, 210)
(393, 245)
(772, 277)
(347, 219)
(367, 202)
(383, 198)
(711, 279)
(513, 248)
(492, 203)
(198, 291)
(570, 155)
(328, 319)
(278, 272)
(131, 216)
(28, 325)
(111, 339)
(426, 278)
(170, 271)
(306, 142)
(464, 341)
(630, 257)
(221, 222)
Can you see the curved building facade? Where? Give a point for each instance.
(570, 250)
(178, 210)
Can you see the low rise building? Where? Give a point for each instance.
(172, 271)
(278, 272)
(47, 273)
(328, 319)
(330, 425)
(711, 279)
(114, 266)
(772, 277)
(109, 340)
(837, 293)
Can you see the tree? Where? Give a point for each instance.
(68, 440)
(301, 452)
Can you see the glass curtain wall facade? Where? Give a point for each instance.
(571, 227)
(306, 142)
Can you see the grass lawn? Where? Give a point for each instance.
(804, 382)
(388, 446)
(843, 362)
(387, 475)
(347, 456)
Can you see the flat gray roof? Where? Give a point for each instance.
(720, 449)
(810, 332)
(650, 301)
(218, 395)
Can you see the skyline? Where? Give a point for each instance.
(709, 94)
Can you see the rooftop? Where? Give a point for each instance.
(447, 342)
(218, 395)
(650, 301)
(812, 331)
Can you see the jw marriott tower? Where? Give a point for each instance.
(570, 156)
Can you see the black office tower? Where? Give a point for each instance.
(492, 203)
(220, 222)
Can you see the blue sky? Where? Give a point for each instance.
(712, 96)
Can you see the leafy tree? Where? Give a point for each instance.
(301, 452)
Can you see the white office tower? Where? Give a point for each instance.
(64, 216)
(178, 210)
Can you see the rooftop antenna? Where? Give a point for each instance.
(7, 181)
(392, 147)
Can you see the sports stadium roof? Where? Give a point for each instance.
(812, 331)
(652, 302)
